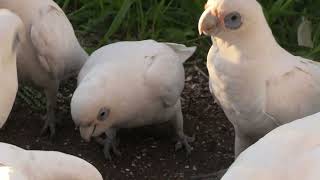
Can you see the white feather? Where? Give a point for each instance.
(258, 84)
(10, 27)
(290, 152)
(19, 164)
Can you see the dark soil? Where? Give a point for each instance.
(147, 152)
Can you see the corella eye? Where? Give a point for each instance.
(103, 114)
(233, 20)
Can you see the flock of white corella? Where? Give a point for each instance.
(270, 96)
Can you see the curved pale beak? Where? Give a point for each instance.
(208, 23)
(87, 132)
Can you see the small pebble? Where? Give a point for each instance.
(194, 168)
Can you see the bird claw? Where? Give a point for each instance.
(116, 151)
(190, 139)
(109, 145)
(99, 140)
(184, 142)
(107, 154)
(49, 126)
(178, 146)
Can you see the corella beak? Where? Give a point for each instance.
(87, 132)
(208, 23)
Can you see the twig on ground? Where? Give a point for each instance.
(200, 71)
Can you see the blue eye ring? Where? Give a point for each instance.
(233, 20)
(103, 114)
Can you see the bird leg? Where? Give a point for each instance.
(50, 119)
(183, 140)
(110, 143)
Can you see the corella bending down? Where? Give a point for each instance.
(290, 152)
(259, 85)
(11, 33)
(130, 84)
(20, 164)
(51, 51)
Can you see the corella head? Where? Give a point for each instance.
(224, 16)
(11, 34)
(89, 111)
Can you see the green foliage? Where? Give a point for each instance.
(106, 21)
(284, 17)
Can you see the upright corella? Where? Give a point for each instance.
(11, 33)
(259, 85)
(20, 164)
(130, 84)
(51, 51)
(290, 152)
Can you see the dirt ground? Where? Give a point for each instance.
(147, 152)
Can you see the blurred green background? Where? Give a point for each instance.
(100, 22)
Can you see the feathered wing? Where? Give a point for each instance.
(295, 93)
(165, 78)
(53, 38)
(164, 72)
(182, 51)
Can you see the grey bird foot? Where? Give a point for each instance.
(213, 176)
(184, 141)
(49, 126)
(109, 145)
